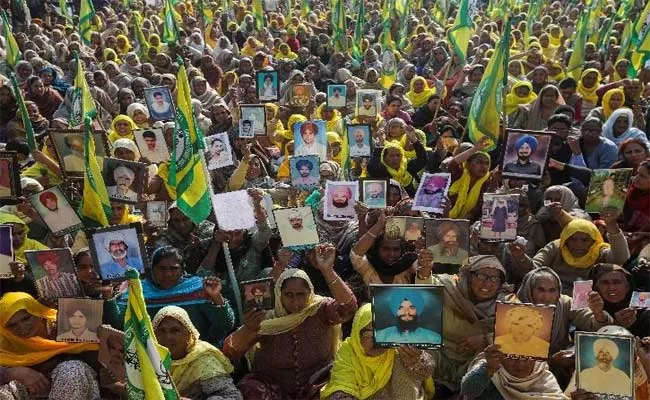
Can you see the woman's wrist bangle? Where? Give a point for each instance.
(333, 281)
(372, 235)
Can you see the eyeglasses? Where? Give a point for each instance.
(488, 278)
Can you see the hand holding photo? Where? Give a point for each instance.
(252, 120)
(54, 273)
(258, 294)
(640, 300)
(9, 175)
(267, 85)
(305, 172)
(359, 140)
(227, 220)
(608, 189)
(124, 179)
(310, 138)
(78, 320)
(55, 211)
(340, 199)
(117, 248)
(431, 192)
(6, 252)
(297, 227)
(525, 154)
(111, 351)
(499, 217)
(337, 96)
(152, 145)
(605, 364)
(524, 330)
(218, 153)
(374, 193)
(581, 290)
(367, 102)
(157, 213)
(159, 102)
(448, 240)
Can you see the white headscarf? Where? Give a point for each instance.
(631, 132)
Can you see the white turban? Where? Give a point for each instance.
(113, 237)
(122, 170)
(606, 346)
(128, 144)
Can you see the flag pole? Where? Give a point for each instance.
(233, 281)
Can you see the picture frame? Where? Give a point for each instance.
(310, 137)
(218, 151)
(258, 294)
(268, 88)
(409, 229)
(78, 320)
(360, 140)
(159, 103)
(525, 154)
(228, 220)
(252, 121)
(297, 227)
(55, 210)
(523, 330)
(300, 94)
(116, 248)
(407, 315)
(374, 193)
(305, 172)
(608, 189)
(152, 145)
(431, 192)
(124, 180)
(499, 217)
(111, 351)
(367, 102)
(640, 300)
(448, 240)
(9, 176)
(7, 255)
(337, 96)
(157, 212)
(580, 298)
(69, 146)
(340, 199)
(54, 273)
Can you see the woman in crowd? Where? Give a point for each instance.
(619, 127)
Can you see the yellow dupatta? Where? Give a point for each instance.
(513, 101)
(419, 99)
(28, 244)
(38, 170)
(113, 136)
(411, 154)
(289, 56)
(332, 125)
(589, 94)
(163, 173)
(560, 75)
(284, 171)
(607, 109)
(468, 196)
(587, 227)
(402, 176)
(332, 138)
(616, 76)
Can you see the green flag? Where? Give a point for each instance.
(339, 36)
(83, 104)
(305, 8)
(460, 33)
(13, 52)
(86, 14)
(27, 123)
(95, 207)
(358, 33)
(577, 59)
(258, 14)
(170, 27)
(64, 10)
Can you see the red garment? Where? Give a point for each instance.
(637, 210)
(294, 44)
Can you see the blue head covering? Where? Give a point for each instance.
(397, 296)
(57, 84)
(530, 140)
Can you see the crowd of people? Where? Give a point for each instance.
(317, 340)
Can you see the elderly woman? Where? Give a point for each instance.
(293, 345)
(637, 203)
(619, 127)
(199, 370)
(46, 98)
(363, 371)
(535, 116)
(562, 204)
(391, 163)
(202, 91)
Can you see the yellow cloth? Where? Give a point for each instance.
(279, 127)
(513, 101)
(549, 51)
(26, 352)
(581, 226)
(38, 170)
(419, 99)
(617, 77)
(332, 138)
(332, 125)
(589, 94)
(289, 56)
(402, 176)
(411, 154)
(113, 136)
(467, 197)
(561, 75)
(607, 110)
(28, 244)
(127, 46)
(107, 52)
(293, 119)
(128, 218)
(163, 173)
(284, 171)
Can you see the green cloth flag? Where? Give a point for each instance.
(359, 27)
(64, 10)
(577, 59)
(24, 115)
(258, 14)
(305, 8)
(13, 52)
(340, 32)
(170, 27)
(86, 14)
(95, 207)
(460, 33)
(83, 104)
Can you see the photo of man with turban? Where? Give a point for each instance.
(55, 282)
(124, 178)
(117, 251)
(340, 201)
(520, 329)
(310, 140)
(451, 246)
(524, 148)
(601, 360)
(55, 211)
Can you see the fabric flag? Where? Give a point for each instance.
(460, 33)
(577, 59)
(95, 208)
(64, 10)
(86, 14)
(359, 27)
(187, 172)
(83, 104)
(258, 14)
(13, 52)
(305, 8)
(340, 32)
(147, 362)
(388, 68)
(403, 13)
(622, 11)
(386, 36)
(27, 123)
(642, 53)
(642, 20)
(533, 15)
(170, 27)
(142, 40)
(487, 103)
(626, 41)
(594, 21)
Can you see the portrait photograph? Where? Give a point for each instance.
(340, 199)
(305, 172)
(300, 94)
(608, 189)
(337, 96)
(524, 155)
(523, 330)
(373, 193)
(55, 211)
(580, 298)
(124, 179)
(267, 85)
(78, 320)
(310, 137)
(359, 140)
(367, 102)
(159, 102)
(605, 364)
(111, 351)
(448, 240)
(296, 226)
(252, 121)
(152, 145)
(6, 252)
(640, 300)
(431, 192)
(69, 147)
(227, 220)
(218, 152)
(258, 294)
(157, 212)
(407, 315)
(9, 176)
(116, 249)
(395, 227)
(499, 217)
(54, 273)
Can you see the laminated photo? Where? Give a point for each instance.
(116, 249)
(78, 320)
(605, 364)
(524, 330)
(54, 273)
(340, 199)
(499, 217)
(431, 192)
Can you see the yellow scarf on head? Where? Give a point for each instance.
(513, 101)
(107, 52)
(467, 197)
(127, 45)
(410, 154)
(581, 226)
(419, 99)
(402, 176)
(27, 352)
(272, 111)
(332, 125)
(113, 136)
(284, 171)
(554, 40)
(589, 94)
(617, 77)
(290, 56)
(293, 119)
(28, 244)
(559, 76)
(607, 110)
(332, 138)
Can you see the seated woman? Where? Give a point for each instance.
(291, 347)
(199, 370)
(563, 204)
(363, 371)
(46, 368)
(619, 127)
(392, 163)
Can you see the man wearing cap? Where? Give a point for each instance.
(124, 178)
(605, 377)
(117, 249)
(525, 146)
(407, 310)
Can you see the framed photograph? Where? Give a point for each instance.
(359, 140)
(608, 189)
(252, 120)
(159, 102)
(69, 145)
(448, 240)
(157, 212)
(525, 153)
(374, 193)
(258, 294)
(405, 228)
(124, 179)
(117, 248)
(296, 226)
(310, 138)
(581, 290)
(152, 145)
(227, 220)
(524, 330)
(640, 300)
(340, 199)
(368, 102)
(431, 192)
(267, 85)
(9, 176)
(55, 210)
(6, 252)
(111, 351)
(407, 315)
(54, 273)
(605, 364)
(337, 96)
(305, 172)
(218, 152)
(78, 320)
(499, 217)
(300, 94)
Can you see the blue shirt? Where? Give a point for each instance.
(417, 336)
(602, 157)
(113, 270)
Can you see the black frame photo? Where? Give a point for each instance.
(159, 103)
(9, 176)
(113, 266)
(373, 198)
(6, 252)
(366, 149)
(78, 320)
(115, 169)
(62, 140)
(533, 168)
(258, 294)
(54, 269)
(523, 330)
(262, 94)
(56, 211)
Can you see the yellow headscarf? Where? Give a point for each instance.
(607, 110)
(419, 99)
(28, 244)
(293, 119)
(467, 197)
(159, 45)
(589, 94)
(559, 76)
(402, 176)
(587, 227)
(38, 170)
(108, 51)
(284, 171)
(127, 46)
(410, 154)
(513, 101)
(617, 77)
(332, 125)
(113, 136)
(332, 138)
(279, 127)
(290, 56)
(26, 352)
(554, 40)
